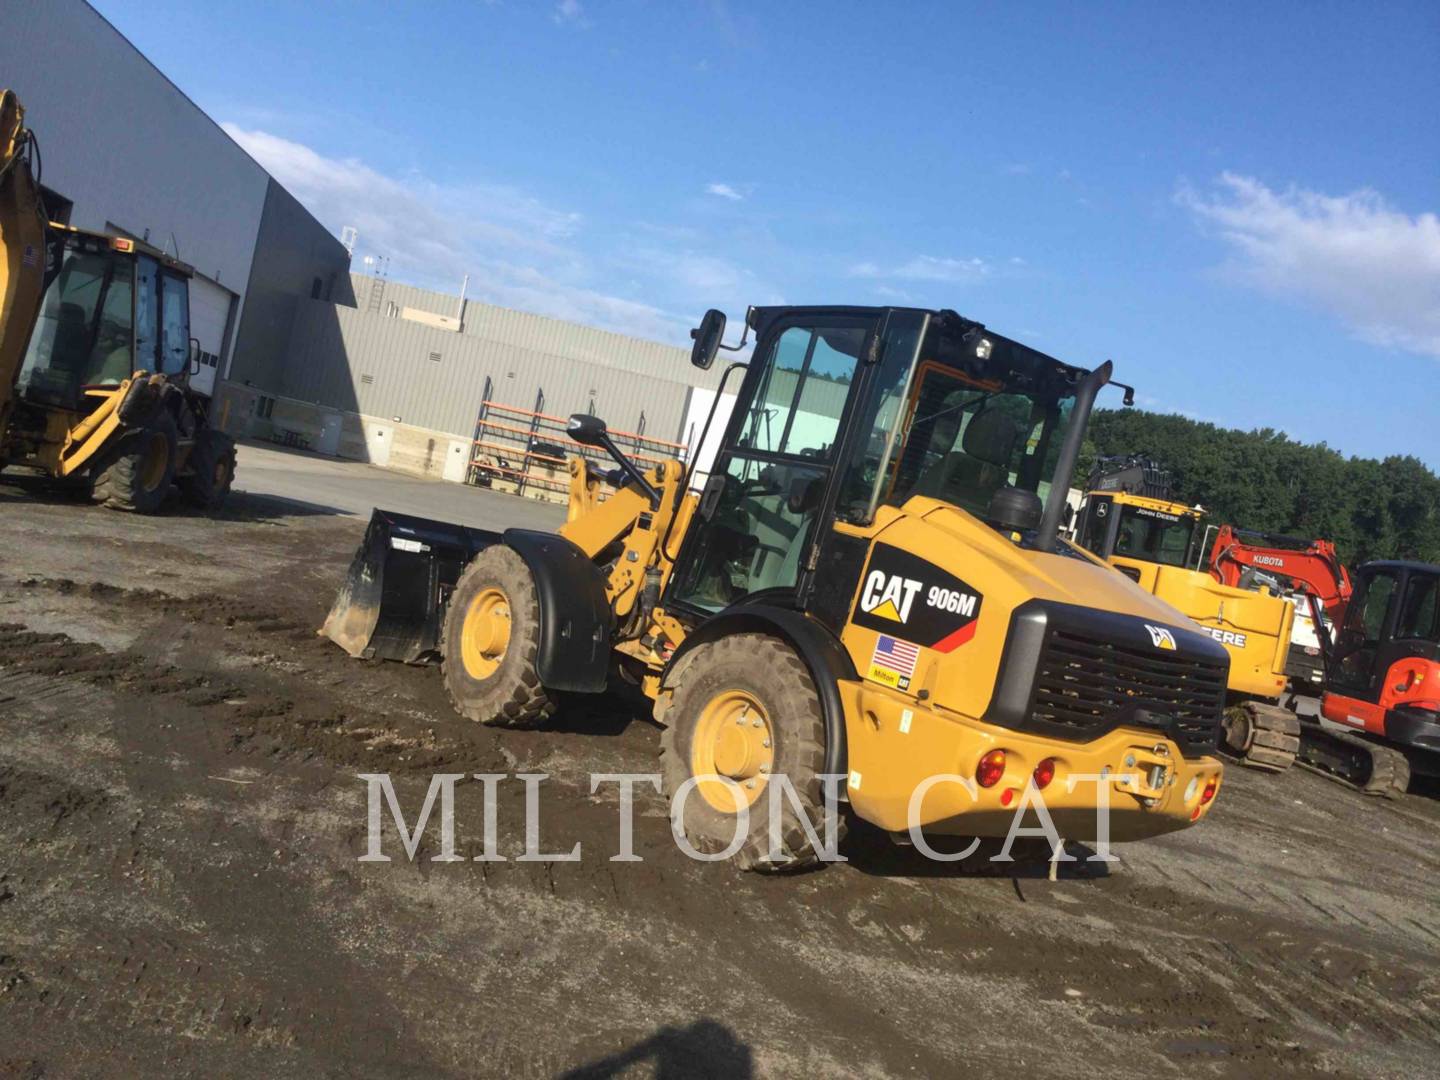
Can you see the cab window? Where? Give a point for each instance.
(1154, 536)
(1420, 614)
(797, 410)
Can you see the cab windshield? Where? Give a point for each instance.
(971, 415)
(85, 333)
(1154, 535)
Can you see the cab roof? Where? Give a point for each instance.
(125, 244)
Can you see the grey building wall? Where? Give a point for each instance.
(295, 257)
(391, 367)
(124, 144)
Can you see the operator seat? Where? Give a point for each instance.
(970, 476)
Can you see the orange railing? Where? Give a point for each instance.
(528, 448)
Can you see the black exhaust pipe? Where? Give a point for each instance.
(1069, 454)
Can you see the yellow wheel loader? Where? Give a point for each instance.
(868, 589)
(96, 354)
(1157, 543)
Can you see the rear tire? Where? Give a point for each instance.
(135, 475)
(490, 640)
(746, 708)
(212, 465)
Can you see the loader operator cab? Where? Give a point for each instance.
(844, 412)
(112, 307)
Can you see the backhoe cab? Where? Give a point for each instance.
(869, 585)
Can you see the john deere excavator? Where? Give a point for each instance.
(869, 586)
(1130, 520)
(96, 354)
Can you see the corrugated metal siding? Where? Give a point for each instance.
(535, 333)
(351, 359)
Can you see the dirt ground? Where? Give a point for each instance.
(181, 820)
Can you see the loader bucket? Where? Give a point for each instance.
(393, 601)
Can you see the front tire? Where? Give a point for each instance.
(490, 640)
(136, 474)
(744, 707)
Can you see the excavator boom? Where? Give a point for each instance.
(1313, 566)
(22, 246)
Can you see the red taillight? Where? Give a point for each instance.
(1044, 773)
(990, 769)
(1209, 792)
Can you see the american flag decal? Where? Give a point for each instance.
(30, 257)
(899, 656)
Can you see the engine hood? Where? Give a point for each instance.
(940, 591)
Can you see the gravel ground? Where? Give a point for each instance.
(181, 821)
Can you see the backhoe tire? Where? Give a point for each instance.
(1262, 736)
(744, 707)
(135, 475)
(489, 642)
(212, 463)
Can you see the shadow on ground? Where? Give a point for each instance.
(705, 1048)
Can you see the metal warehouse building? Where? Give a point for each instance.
(401, 379)
(295, 348)
(125, 152)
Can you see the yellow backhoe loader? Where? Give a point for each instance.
(869, 585)
(1157, 542)
(96, 354)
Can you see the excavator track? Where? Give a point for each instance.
(1262, 736)
(1364, 765)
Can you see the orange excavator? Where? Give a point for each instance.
(1378, 719)
(1305, 569)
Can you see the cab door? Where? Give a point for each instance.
(754, 529)
(174, 354)
(1369, 622)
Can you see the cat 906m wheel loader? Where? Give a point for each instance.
(96, 354)
(869, 585)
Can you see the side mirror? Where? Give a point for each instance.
(586, 429)
(707, 337)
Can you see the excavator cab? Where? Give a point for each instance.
(1383, 673)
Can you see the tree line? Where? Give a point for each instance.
(1264, 480)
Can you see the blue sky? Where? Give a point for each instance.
(1237, 203)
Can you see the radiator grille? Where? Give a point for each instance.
(1081, 684)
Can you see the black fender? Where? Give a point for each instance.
(817, 647)
(576, 622)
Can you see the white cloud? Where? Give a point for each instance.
(725, 191)
(927, 268)
(518, 251)
(570, 13)
(1355, 255)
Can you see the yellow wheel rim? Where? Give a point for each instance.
(486, 633)
(157, 456)
(733, 739)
